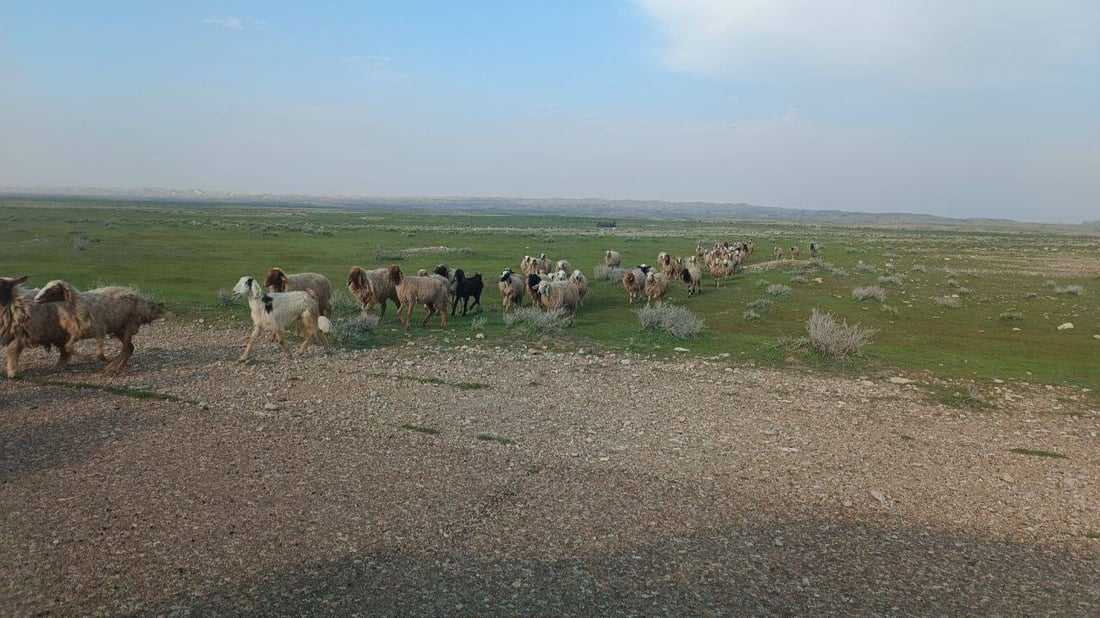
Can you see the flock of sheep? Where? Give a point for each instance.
(58, 315)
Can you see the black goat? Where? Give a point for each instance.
(467, 288)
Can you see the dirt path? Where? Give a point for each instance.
(468, 479)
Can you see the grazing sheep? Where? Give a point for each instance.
(25, 323)
(430, 291)
(612, 259)
(318, 284)
(559, 295)
(634, 281)
(275, 311)
(815, 250)
(511, 288)
(670, 266)
(116, 311)
(795, 251)
(467, 288)
(778, 253)
(563, 265)
(692, 276)
(656, 287)
(580, 282)
(372, 287)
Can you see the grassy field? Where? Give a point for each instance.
(959, 304)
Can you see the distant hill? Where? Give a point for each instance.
(604, 208)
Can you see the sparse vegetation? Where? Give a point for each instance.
(778, 289)
(1075, 290)
(836, 339)
(948, 302)
(675, 320)
(873, 292)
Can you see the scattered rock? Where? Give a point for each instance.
(1065, 326)
(878, 495)
(900, 380)
(270, 407)
(680, 350)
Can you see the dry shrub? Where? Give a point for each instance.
(836, 340)
(674, 320)
(869, 292)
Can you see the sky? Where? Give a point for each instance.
(962, 108)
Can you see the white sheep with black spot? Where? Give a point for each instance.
(275, 311)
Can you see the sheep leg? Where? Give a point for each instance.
(283, 344)
(248, 346)
(12, 352)
(443, 319)
(119, 362)
(429, 311)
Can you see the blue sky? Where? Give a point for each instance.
(975, 108)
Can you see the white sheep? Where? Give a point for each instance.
(564, 265)
(318, 284)
(113, 310)
(431, 291)
(559, 296)
(580, 282)
(656, 287)
(25, 323)
(372, 287)
(612, 259)
(511, 288)
(275, 311)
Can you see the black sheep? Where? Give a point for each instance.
(467, 288)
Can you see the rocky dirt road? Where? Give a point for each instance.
(468, 479)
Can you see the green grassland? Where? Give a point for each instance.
(1012, 287)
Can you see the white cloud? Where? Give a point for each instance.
(225, 21)
(922, 43)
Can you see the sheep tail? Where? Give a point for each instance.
(324, 324)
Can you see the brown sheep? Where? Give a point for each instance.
(316, 284)
(372, 287)
(431, 291)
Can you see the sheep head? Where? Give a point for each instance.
(506, 274)
(54, 291)
(533, 282)
(629, 277)
(243, 287)
(442, 270)
(276, 280)
(395, 275)
(357, 280)
(460, 275)
(7, 288)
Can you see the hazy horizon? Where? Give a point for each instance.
(979, 109)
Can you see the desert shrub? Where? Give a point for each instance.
(778, 289)
(866, 268)
(948, 302)
(799, 279)
(535, 320)
(355, 332)
(897, 280)
(610, 273)
(382, 254)
(868, 293)
(478, 323)
(1011, 315)
(759, 303)
(225, 297)
(345, 304)
(836, 340)
(892, 310)
(837, 271)
(918, 268)
(1069, 289)
(677, 321)
(962, 289)
(750, 315)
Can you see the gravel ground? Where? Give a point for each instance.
(468, 479)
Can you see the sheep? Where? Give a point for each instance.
(656, 287)
(721, 270)
(815, 250)
(430, 291)
(113, 310)
(634, 280)
(561, 275)
(670, 266)
(532, 282)
(25, 323)
(692, 276)
(612, 258)
(794, 253)
(559, 296)
(279, 281)
(511, 288)
(563, 265)
(467, 288)
(275, 311)
(778, 253)
(372, 287)
(581, 283)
